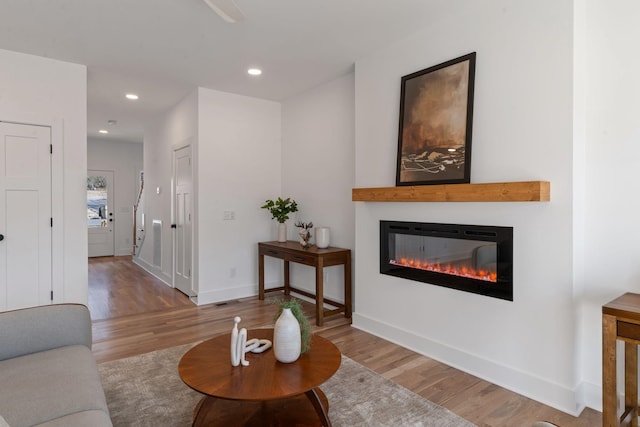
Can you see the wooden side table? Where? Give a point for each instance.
(319, 258)
(265, 393)
(620, 321)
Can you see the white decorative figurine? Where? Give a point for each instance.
(304, 232)
(240, 345)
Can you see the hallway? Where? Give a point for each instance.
(118, 287)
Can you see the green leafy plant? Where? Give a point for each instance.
(305, 328)
(281, 208)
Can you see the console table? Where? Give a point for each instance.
(620, 321)
(291, 251)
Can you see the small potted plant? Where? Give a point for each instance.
(288, 347)
(280, 210)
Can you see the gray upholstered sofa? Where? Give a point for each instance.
(48, 375)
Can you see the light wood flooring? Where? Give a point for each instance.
(134, 313)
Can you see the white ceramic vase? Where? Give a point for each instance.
(322, 237)
(282, 232)
(287, 340)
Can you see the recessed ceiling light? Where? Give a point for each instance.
(103, 131)
(112, 122)
(132, 96)
(254, 71)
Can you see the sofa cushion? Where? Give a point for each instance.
(44, 386)
(34, 329)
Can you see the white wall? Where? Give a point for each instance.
(612, 150)
(317, 170)
(239, 167)
(176, 127)
(54, 93)
(125, 160)
(580, 49)
(522, 131)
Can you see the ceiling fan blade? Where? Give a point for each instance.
(227, 10)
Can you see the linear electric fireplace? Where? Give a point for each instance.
(470, 258)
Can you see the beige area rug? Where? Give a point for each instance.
(146, 390)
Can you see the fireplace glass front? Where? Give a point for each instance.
(471, 258)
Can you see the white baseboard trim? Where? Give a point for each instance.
(552, 394)
(154, 271)
(234, 292)
(227, 294)
(591, 395)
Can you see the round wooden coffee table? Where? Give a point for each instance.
(264, 393)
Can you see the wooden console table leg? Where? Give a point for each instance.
(287, 284)
(320, 409)
(261, 277)
(320, 291)
(631, 381)
(609, 392)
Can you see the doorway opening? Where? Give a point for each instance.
(100, 213)
(182, 224)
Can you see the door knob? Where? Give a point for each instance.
(1, 237)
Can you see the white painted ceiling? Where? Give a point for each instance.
(163, 49)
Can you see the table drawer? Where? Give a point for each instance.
(272, 252)
(628, 330)
(300, 258)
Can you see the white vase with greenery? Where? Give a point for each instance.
(280, 210)
(287, 341)
(282, 232)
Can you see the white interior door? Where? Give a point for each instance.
(100, 220)
(182, 215)
(25, 215)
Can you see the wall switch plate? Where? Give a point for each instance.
(229, 215)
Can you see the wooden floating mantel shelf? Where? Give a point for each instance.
(529, 191)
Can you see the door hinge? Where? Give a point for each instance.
(50, 148)
(51, 222)
(51, 295)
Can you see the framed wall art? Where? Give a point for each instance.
(436, 118)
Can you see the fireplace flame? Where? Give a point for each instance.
(462, 271)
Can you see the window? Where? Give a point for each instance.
(97, 209)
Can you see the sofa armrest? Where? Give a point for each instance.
(35, 329)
